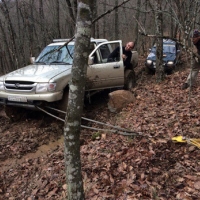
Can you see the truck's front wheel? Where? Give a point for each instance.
(13, 113)
(63, 103)
(129, 79)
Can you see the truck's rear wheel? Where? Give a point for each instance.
(129, 79)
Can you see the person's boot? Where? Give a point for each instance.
(185, 86)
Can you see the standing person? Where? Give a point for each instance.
(127, 54)
(196, 62)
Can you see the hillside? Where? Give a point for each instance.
(116, 167)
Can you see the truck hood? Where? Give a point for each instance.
(37, 73)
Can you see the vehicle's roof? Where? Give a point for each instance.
(168, 41)
(63, 41)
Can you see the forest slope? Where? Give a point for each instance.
(146, 166)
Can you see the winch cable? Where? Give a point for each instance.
(50, 114)
(119, 130)
(97, 122)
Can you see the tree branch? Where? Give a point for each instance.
(109, 11)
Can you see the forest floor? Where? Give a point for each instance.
(114, 167)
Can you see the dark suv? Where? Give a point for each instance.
(171, 56)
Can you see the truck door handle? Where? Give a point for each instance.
(116, 66)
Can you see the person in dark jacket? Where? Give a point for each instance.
(196, 62)
(126, 55)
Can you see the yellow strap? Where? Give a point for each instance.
(193, 141)
(179, 139)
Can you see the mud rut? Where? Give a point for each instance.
(37, 134)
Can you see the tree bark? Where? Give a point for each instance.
(75, 103)
(42, 23)
(5, 11)
(116, 28)
(159, 42)
(137, 45)
(104, 20)
(94, 15)
(58, 19)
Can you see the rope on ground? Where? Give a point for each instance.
(118, 130)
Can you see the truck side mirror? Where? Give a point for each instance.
(32, 60)
(91, 60)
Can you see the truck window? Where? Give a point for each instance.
(104, 52)
(115, 54)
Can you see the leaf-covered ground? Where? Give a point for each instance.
(114, 167)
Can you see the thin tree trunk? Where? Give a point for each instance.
(72, 13)
(12, 33)
(136, 35)
(116, 22)
(5, 48)
(58, 19)
(94, 15)
(75, 103)
(42, 23)
(159, 42)
(20, 42)
(104, 20)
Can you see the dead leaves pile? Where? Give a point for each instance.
(116, 167)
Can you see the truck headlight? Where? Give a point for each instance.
(45, 87)
(170, 63)
(149, 62)
(1, 86)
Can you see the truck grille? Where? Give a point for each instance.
(20, 86)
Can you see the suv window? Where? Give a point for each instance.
(105, 52)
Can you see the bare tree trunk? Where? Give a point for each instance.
(116, 22)
(42, 23)
(12, 33)
(75, 103)
(6, 67)
(159, 41)
(75, 7)
(70, 9)
(104, 20)
(73, 13)
(144, 44)
(94, 15)
(136, 26)
(58, 19)
(19, 43)
(30, 27)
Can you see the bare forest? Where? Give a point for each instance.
(147, 165)
(26, 27)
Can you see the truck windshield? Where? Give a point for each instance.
(166, 49)
(55, 55)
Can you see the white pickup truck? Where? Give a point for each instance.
(46, 80)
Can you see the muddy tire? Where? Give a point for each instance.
(63, 103)
(149, 71)
(129, 79)
(14, 113)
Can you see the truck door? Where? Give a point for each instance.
(103, 72)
